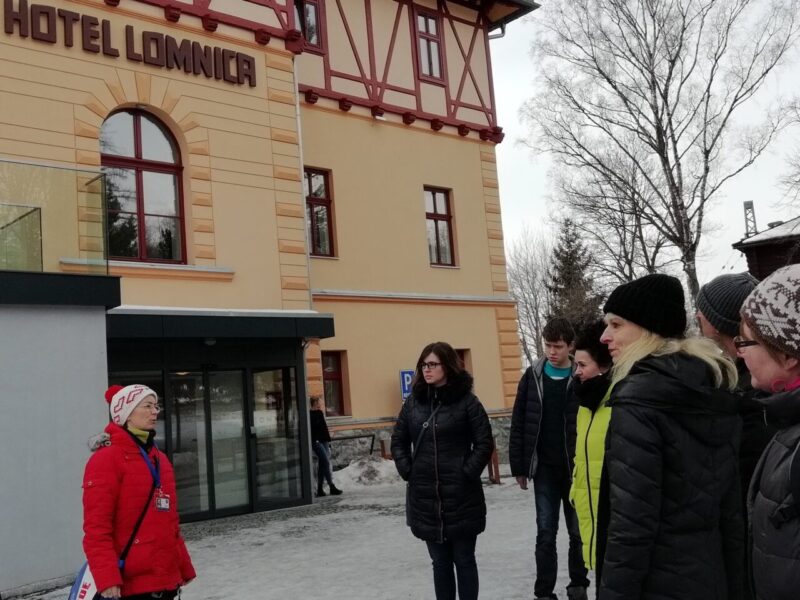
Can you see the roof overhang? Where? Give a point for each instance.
(501, 12)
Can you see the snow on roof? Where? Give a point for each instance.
(786, 229)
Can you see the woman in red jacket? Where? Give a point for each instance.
(126, 473)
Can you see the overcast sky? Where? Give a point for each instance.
(524, 183)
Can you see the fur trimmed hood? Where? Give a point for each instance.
(456, 388)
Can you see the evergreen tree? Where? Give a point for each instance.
(572, 293)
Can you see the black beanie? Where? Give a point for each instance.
(721, 299)
(654, 302)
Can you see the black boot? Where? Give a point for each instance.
(334, 490)
(321, 492)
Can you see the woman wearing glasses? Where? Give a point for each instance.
(441, 443)
(675, 523)
(130, 510)
(770, 346)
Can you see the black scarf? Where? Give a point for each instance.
(591, 392)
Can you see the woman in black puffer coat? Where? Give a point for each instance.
(441, 443)
(770, 346)
(675, 515)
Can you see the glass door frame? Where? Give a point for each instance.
(303, 440)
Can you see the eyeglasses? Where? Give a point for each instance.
(429, 365)
(157, 408)
(741, 342)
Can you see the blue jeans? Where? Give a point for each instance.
(324, 472)
(551, 490)
(460, 553)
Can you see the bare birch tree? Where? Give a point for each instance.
(790, 181)
(528, 275)
(609, 216)
(661, 82)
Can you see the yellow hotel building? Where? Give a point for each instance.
(240, 203)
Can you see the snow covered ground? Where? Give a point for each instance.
(356, 546)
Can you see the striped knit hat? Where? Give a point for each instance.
(772, 310)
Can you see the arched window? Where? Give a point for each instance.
(142, 164)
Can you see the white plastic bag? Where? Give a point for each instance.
(84, 587)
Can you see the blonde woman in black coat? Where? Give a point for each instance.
(441, 443)
(675, 523)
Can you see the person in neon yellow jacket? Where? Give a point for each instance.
(592, 386)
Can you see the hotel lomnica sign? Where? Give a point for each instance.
(52, 26)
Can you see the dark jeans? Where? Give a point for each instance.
(551, 490)
(323, 452)
(460, 553)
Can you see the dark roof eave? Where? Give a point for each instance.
(526, 7)
(745, 245)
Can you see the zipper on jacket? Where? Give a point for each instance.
(592, 557)
(436, 475)
(538, 429)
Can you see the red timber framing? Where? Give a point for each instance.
(377, 83)
(288, 29)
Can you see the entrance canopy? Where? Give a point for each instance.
(168, 322)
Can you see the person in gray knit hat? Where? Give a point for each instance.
(719, 304)
(770, 345)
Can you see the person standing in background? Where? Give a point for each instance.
(541, 448)
(441, 444)
(321, 444)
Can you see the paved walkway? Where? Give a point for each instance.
(353, 547)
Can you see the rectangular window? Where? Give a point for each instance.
(439, 223)
(312, 25)
(316, 186)
(429, 42)
(333, 383)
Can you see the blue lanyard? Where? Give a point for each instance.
(153, 468)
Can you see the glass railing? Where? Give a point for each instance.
(52, 219)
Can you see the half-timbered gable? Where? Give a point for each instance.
(427, 59)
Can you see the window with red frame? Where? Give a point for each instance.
(332, 383)
(439, 223)
(429, 43)
(316, 186)
(312, 24)
(142, 167)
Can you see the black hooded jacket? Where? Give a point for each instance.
(775, 527)
(675, 529)
(445, 493)
(526, 419)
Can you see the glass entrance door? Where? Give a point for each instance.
(209, 445)
(276, 435)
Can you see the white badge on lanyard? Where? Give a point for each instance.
(162, 501)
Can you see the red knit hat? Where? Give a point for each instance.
(122, 400)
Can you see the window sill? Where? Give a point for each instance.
(148, 270)
(323, 257)
(456, 267)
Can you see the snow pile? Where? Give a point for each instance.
(368, 471)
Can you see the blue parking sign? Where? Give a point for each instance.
(406, 376)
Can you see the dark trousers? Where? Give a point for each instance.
(324, 472)
(458, 553)
(551, 491)
(167, 595)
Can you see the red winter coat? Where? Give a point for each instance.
(116, 485)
